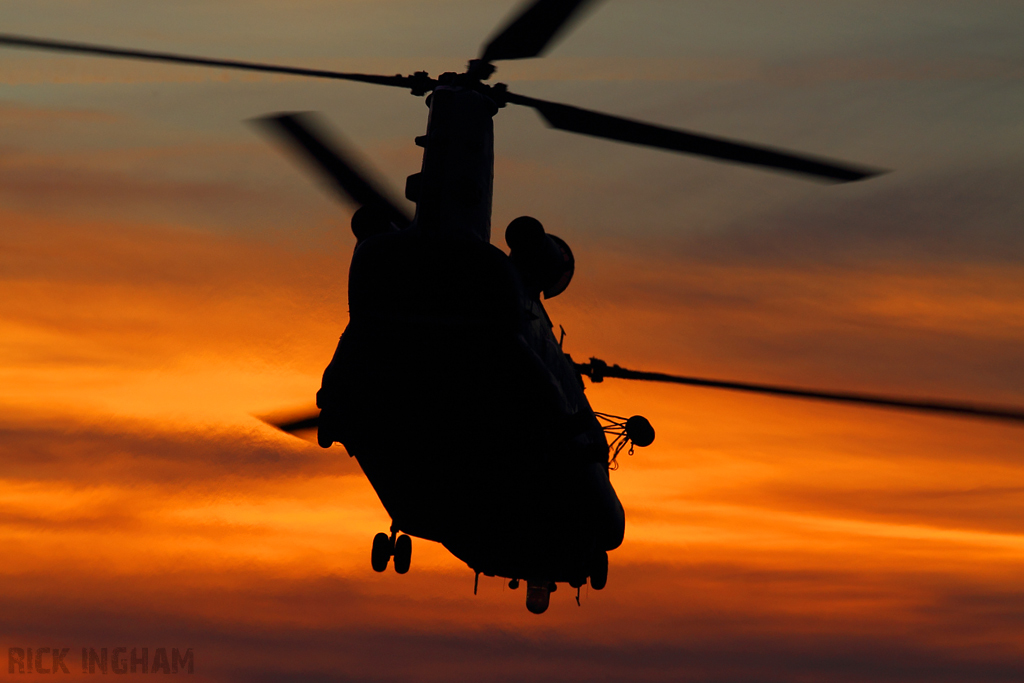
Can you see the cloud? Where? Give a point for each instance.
(150, 185)
(731, 69)
(24, 116)
(136, 452)
(964, 216)
(707, 622)
(970, 506)
(157, 295)
(149, 319)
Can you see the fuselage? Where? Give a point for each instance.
(450, 389)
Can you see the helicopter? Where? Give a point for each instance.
(446, 328)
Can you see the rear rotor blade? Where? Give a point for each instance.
(301, 132)
(297, 425)
(415, 82)
(586, 122)
(597, 370)
(532, 30)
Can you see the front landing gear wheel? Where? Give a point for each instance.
(403, 554)
(381, 552)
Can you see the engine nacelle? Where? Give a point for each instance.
(545, 262)
(369, 221)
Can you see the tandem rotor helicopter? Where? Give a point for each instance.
(442, 324)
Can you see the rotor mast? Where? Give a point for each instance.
(454, 188)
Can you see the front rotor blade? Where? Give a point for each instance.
(412, 82)
(599, 125)
(597, 370)
(338, 166)
(532, 30)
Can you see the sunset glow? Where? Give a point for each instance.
(169, 277)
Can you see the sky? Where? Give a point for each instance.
(168, 275)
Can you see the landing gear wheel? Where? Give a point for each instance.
(381, 552)
(324, 435)
(403, 554)
(538, 596)
(599, 571)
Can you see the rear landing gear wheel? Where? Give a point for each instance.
(324, 435)
(403, 554)
(599, 571)
(538, 596)
(381, 552)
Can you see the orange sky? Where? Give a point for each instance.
(167, 275)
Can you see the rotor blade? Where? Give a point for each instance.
(298, 425)
(300, 130)
(532, 30)
(597, 370)
(415, 82)
(599, 125)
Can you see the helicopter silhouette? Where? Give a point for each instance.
(447, 329)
